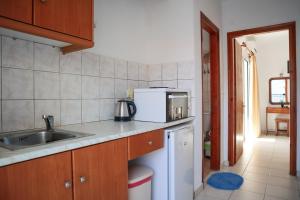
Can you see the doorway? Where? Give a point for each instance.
(210, 95)
(235, 148)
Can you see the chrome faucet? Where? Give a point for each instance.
(49, 121)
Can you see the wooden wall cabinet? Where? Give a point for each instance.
(72, 17)
(69, 21)
(20, 10)
(98, 172)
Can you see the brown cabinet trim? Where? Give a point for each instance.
(141, 144)
(76, 43)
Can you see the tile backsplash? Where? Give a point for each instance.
(79, 87)
(37, 79)
(175, 75)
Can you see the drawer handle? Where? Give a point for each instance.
(68, 184)
(82, 179)
(150, 142)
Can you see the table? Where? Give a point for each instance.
(278, 110)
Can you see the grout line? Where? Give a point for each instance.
(1, 107)
(81, 85)
(33, 82)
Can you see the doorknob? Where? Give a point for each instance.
(68, 184)
(82, 179)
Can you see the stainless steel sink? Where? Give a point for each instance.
(20, 140)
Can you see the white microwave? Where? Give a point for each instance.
(161, 104)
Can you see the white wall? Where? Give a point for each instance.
(272, 57)
(243, 14)
(121, 29)
(157, 31)
(170, 31)
(175, 36)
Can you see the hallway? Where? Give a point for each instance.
(265, 168)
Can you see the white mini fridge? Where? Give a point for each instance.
(173, 165)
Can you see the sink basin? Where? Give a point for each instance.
(20, 140)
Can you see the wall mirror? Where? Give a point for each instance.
(279, 89)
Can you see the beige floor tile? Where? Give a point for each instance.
(253, 186)
(245, 195)
(283, 182)
(282, 192)
(206, 197)
(265, 169)
(257, 170)
(280, 173)
(212, 192)
(269, 197)
(256, 177)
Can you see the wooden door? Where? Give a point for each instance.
(239, 106)
(42, 178)
(100, 172)
(20, 10)
(73, 17)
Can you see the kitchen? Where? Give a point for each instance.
(78, 91)
(87, 89)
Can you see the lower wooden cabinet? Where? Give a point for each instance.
(47, 178)
(100, 172)
(141, 144)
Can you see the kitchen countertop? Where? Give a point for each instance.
(102, 131)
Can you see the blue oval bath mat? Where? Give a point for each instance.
(225, 181)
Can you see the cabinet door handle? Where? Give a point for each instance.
(82, 179)
(150, 142)
(68, 184)
(43, 1)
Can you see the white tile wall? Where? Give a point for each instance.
(17, 115)
(70, 112)
(121, 69)
(17, 83)
(174, 75)
(71, 63)
(46, 58)
(155, 72)
(17, 53)
(107, 88)
(120, 88)
(169, 71)
(90, 64)
(133, 71)
(70, 86)
(107, 67)
(37, 79)
(107, 109)
(90, 110)
(90, 87)
(51, 107)
(46, 85)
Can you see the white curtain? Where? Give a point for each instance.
(254, 98)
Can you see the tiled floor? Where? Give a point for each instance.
(265, 168)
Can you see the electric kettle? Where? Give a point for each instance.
(125, 110)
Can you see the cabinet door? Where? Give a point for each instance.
(20, 10)
(42, 178)
(100, 172)
(73, 17)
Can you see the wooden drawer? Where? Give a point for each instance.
(144, 143)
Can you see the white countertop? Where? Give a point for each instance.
(102, 131)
